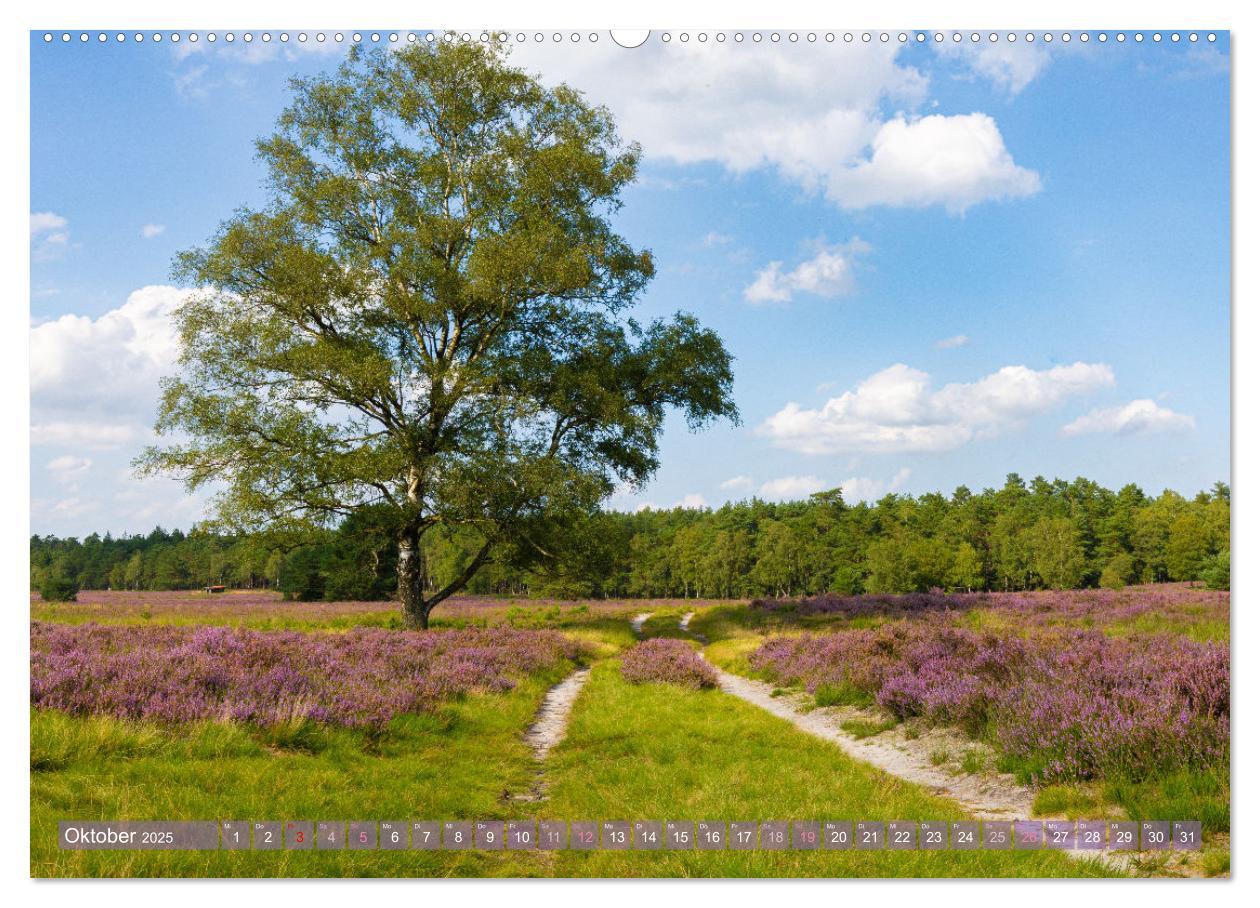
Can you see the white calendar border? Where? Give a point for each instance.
(986, 14)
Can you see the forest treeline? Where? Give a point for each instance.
(1024, 535)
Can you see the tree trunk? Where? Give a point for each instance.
(411, 580)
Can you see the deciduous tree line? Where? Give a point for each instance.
(1023, 535)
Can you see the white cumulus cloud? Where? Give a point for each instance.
(828, 274)
(44, 222)
(862, 488)
(149, 231)
(950, 343)
(1136, 417)
(68, 468)
(853, 489)
(815, 116)
(694, 500)
(50, 235)
(71, 508)
(897, 409)
(82, 434)
(952, 161)
(786, 488)
(1010, 65)
(94, 381)
(736, 483)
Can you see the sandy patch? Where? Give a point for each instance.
(684, 625)
(551, 723)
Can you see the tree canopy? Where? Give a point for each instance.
(1023, 535)
(429, 318)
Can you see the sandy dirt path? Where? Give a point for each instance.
(989, 796)
(636, 623)
(550, 724)
(684, 625)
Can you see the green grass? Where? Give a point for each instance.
(453, 765)
(1216, 862)
(1199, 795)
(664, 623)
(843, 695)
(867, 728)
(732, 654)
(737, 631)
(732, 620)
(633, 751)
(659, 752)
(974, 760)
(1197, 626)
(1071, 802)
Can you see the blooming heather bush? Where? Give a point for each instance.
(1068, 704)
(360, 678)
(870, 604)
(661, 659)
(1102, 607)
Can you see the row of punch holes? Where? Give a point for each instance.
(664, 37)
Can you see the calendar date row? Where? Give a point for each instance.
(628, 835)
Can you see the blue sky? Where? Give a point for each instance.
(934, 264)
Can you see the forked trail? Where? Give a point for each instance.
(684, 625)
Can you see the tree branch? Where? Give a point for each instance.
(461, 581)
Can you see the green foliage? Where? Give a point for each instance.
(301, 575)
(1058, 557)
(1188, 546)
(1214, 572)
(967, 571)
(1022, 536)
(906, 562)
(55, 585)
(1119, 571)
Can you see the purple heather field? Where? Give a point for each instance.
(1047, 676)
(362, 678)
